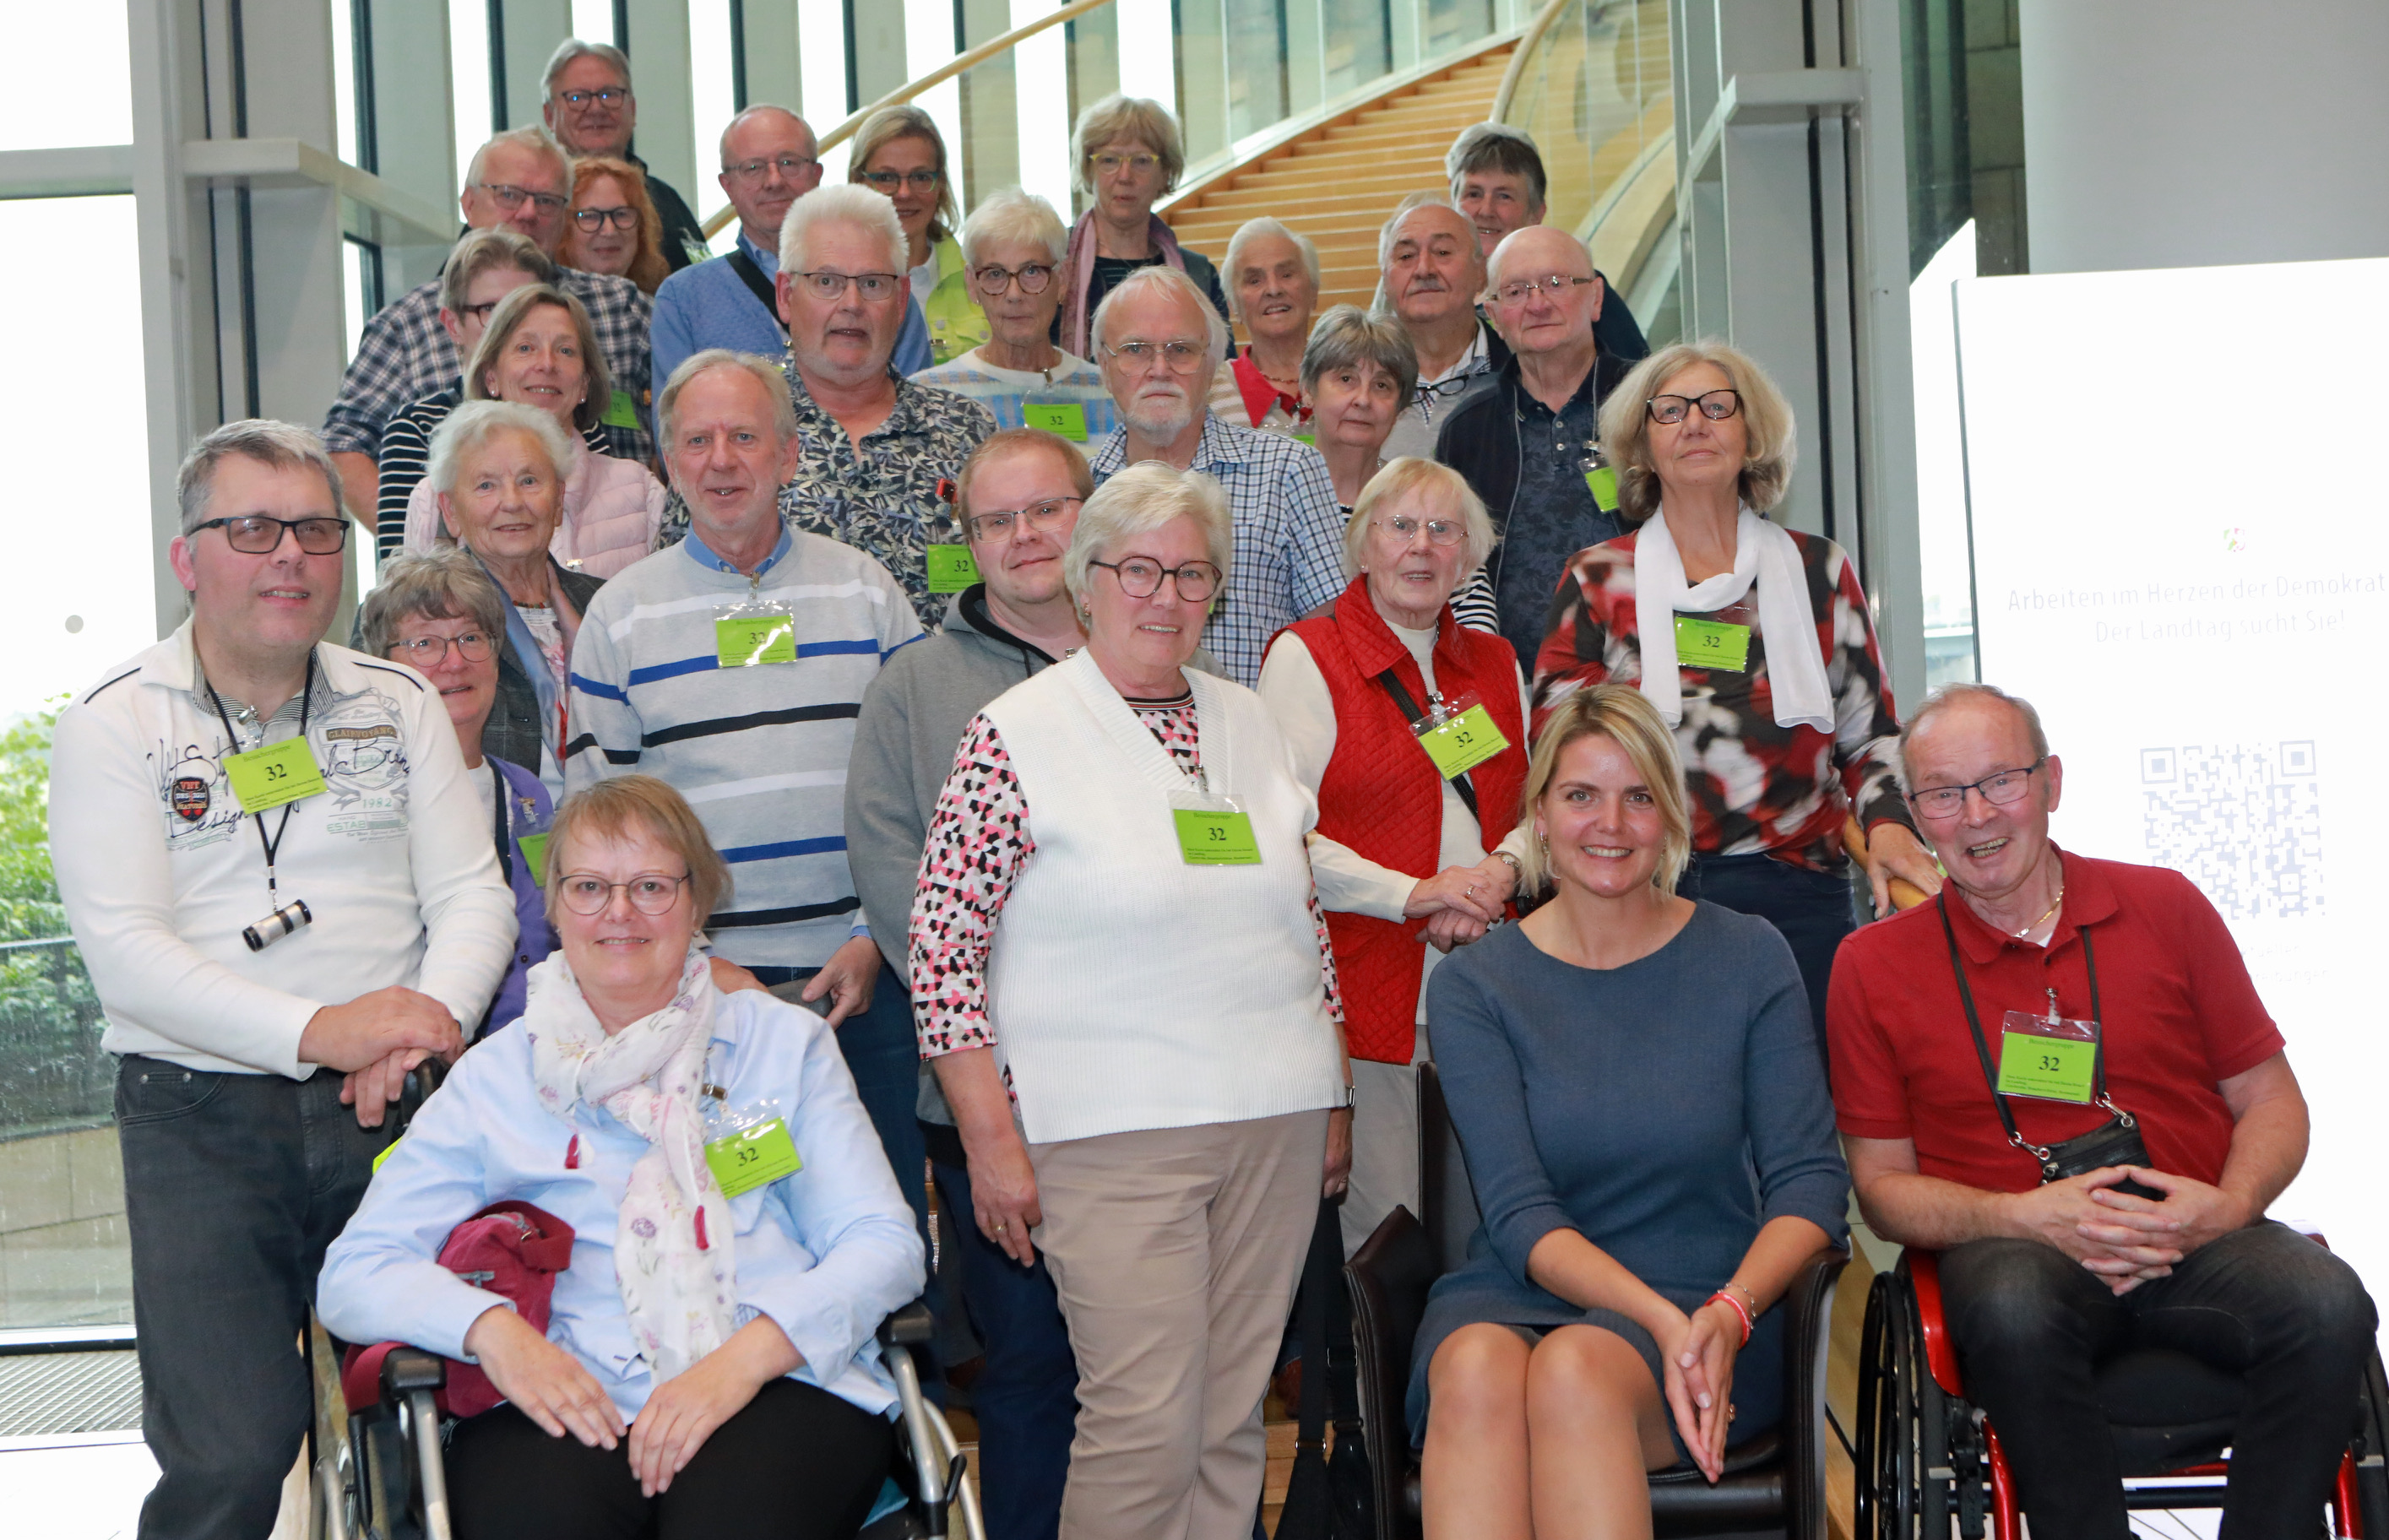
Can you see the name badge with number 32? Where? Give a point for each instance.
(745, 640)
(753, 1156)
(2053, 1059)
(1462, 741)
(270, 776)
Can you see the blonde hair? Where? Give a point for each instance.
(1769, 452)
(628, 805)
(1134, 120)
(1140, 500)
(882, 129)
(1004, 442)
(598, 383)
(1407, 476)
(1618, 713)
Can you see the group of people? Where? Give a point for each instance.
(965, 727)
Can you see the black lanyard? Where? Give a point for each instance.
(306, 700)
(1982, 1048)
(498, 821)
(1410, 713)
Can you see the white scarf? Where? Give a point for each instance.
(673, 1243)
(1796, 675)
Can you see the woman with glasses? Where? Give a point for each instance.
(1274, 275)
(709, 1353)
(613, 227)
(899, 153)
(1124, 986)
(1128, 153)
(1013, 247)
(1766, 666)
(1410, 731)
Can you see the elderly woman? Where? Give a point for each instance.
(1358, 370)
(1410, 731)
(1115, 930)
(1766, 668)
(1273, 284)
(540, 351)
(1633, 1076)
(1013, 247)
(614, 227)
(1128, 153)
(709, 1351)
(900, 154)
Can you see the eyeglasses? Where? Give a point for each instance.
(610, 95)
(827, 284)
(1038, 515)
(594, 219)
(790, 167)
(2000, 790)
(256, 535)
(1184, 357)
(479, 313)
(919, 181)
(511, 199)
(1108, 163)
(651, 893)
(1716, 405)
(423, 652)
(992, 280)
(1555, 284)
(1139, 577)
(1441, 531)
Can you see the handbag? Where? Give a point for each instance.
(2115, 1142)
(512, 1248)
(1327, 1497)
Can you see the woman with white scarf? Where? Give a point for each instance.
(1779, 742)
(709, 1355)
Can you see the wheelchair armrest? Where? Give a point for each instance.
(407, 1369)
(1922, 1269)
(1808, 1324)
(1388, 1279)
(909, 1327)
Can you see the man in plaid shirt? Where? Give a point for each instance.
(519, 180)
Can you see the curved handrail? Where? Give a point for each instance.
(1526, 41)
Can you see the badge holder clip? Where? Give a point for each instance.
(2048, 1056)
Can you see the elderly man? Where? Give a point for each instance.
(1159, 342)
(274, 864)
(769, 161)
(589, 109)
(519, 180)
(1496, 180)
(879, 453)
(732, 664)
(1431, 272)
(1526, 439)
(2041, 1280)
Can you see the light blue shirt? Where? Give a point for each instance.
(709, 306)
(1006, 391)
(827, 1253)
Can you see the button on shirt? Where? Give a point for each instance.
(710, 306)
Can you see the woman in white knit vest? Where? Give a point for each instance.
(1124, 982)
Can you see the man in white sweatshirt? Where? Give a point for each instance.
(274, 864)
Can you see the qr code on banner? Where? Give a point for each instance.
(2241, 821)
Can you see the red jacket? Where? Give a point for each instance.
(1382, 797)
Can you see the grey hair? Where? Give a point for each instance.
(1015, 214)
(1347, 334)
(279, 446)
(1403, 211)
(1407, 476)
(572, 48)
(1952, 695)
(528, 138)
(1133, 119)
(775, 390)
(1252, 229)
(756, 111)
(1496, 147)
(444, 583)
(473, 424)
(492, 250)
(854, 202)
(1162, 276)
(1140, 500)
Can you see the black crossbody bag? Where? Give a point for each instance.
(2114, 1142)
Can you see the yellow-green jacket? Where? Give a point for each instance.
(956, 323)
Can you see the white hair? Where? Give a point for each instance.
(1162, 276)
(572, 48)
(1140, 500)
(854, 203)
(1252, 230)
(775, 383)
(1015, 215)
(1403, 211)
(472, 425)
(534, 139)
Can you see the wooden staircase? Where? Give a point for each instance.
(1336, 182)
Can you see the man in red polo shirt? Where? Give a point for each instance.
(2041, 1281)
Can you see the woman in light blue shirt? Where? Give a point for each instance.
(709, 1351)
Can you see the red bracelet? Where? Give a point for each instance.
(1740, 1312)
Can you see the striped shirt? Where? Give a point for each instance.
(760, 751)
(1006, 391)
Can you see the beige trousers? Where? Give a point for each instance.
(1175, 1253)
(1385, 1143)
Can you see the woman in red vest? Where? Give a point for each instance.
(1412, 729)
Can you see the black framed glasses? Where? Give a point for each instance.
(609, 95)
(1037, 516)
(651, 892)
(1182, 356)
(790, 167)
(1716, 405)
(481, 314)
(2000, 789)
(1439, 531)
(1555, 284)
(1032, 278)
(1139, 577)
(511, 198)
(425, 652)
(623, 217)
(920, 181)
(827, 284)
(256, 535)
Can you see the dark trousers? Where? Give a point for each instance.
(884, 1057)
(2265, 1302)
(795, 1463)
(1811, 909)
(1026, 1397)
(235, 1184)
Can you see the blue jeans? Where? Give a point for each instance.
(1026, 1397)
(1812, 911)
(235, 1184)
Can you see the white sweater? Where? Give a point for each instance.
(1128, 989)
(161, 870)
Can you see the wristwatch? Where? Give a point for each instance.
(1511, 861)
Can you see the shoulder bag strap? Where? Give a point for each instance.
(1410, 713)
(761, 286)
(1982, 1048)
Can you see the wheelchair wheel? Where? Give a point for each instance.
(1905, 1470)
(2371, 1449)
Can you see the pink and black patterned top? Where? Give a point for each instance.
(979, 841)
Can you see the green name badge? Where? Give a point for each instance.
(1310, 439)
(752, 1157)
(952, 567)
(622, 412)
(1602, 484)
(1712, 645)
(270, 776)
(2055, 1069)
(1463, 743)
(1207, 838)
(1067, 418)
(742, 640)
(534, 851)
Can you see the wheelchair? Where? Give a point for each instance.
(1772, 1481)
(1927, 1459)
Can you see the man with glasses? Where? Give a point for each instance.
(2090, 986)
(1528, 439)
(590, 108)
(273, 865)
(520, 181)
(769, 161)
(1430, 273)
(1160, 341)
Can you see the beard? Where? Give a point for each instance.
(1159, 417)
